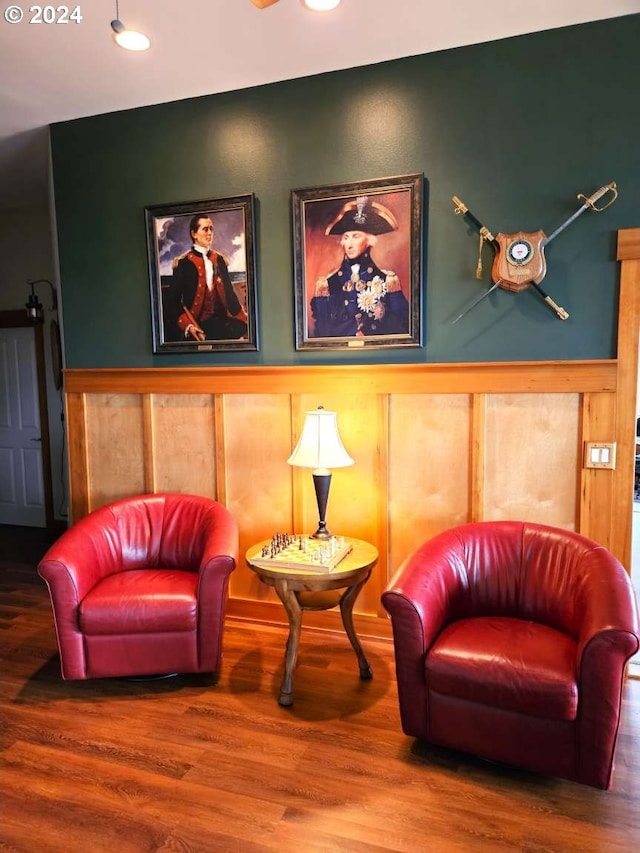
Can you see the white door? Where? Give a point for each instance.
(21, 477)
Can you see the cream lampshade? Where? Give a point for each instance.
(320, 448)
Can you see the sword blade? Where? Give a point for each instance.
(565, 224)
(588, 203)
(476, 301)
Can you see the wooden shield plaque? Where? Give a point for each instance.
(520, 260)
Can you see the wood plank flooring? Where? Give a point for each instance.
(191, 765)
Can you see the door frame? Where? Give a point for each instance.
(18, 319)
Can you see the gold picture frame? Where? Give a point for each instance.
(358, 264)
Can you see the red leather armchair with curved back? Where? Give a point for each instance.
(139, 587)
(511, 641)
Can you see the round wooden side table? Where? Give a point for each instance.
(317, 589)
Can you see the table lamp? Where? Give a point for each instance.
(320, 448)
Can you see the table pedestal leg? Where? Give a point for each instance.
(346, 610)
(290, 602)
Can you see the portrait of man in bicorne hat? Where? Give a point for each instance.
(359, 298)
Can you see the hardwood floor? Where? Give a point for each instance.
(188, 765)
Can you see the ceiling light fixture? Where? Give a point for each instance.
(128, 39)
(313, 5)
(320, 5)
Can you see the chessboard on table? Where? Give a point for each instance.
(293, 551)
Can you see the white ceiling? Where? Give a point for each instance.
(55, 72)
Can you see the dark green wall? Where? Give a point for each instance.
(516, 128)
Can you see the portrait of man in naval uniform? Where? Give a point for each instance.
(357, 271)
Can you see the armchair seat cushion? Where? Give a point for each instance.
(141, 601)
(514, 664)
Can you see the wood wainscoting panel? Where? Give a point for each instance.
(359, 492)
(531, 458)
(257, 441)
(429, 477)
(434, 446)
(115, 447)
(183, 441)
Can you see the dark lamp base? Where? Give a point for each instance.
(321, 484)
(321, 533)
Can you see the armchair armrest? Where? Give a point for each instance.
(419, 603)
(608, 638)
(420, 600)
(219, 559)
(221, 539)
(606, 604)
(82, 556)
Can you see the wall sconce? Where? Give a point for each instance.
(320, 448)
(35, 311)
(128, 39)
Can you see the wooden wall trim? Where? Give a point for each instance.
(477, 455)
(148, 444)
(78, 456)
(219, 450)
(629, 244)
(459, 378)
(626, 389)
(15, 318)
(383, 521)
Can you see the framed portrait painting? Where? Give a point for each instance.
(358, 264)
(202, 275)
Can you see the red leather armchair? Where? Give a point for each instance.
(139, 587)
(511, 641)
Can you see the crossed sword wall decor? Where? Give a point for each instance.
(519, 260)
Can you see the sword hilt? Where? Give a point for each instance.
(598, 194)
(461, 208)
